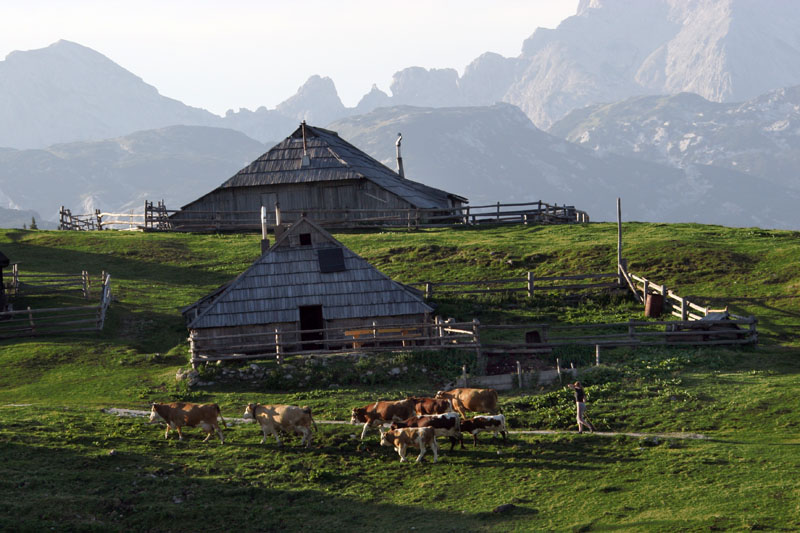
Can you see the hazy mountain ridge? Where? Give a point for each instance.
(176, 164)
(759, 137)
(495, 153)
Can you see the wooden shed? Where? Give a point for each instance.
(317, 172)
(306, 292)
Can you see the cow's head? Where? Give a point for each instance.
(441, 394)
(154, 416)
(250, 412)
(386, 437)
(358, 415)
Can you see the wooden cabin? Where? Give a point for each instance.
(305, 283)
(317, 172)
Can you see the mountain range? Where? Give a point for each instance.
(686, 108)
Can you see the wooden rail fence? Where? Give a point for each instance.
(156, 217)
(529, 284)
(275, 344)
(32, 283)
(33, 322)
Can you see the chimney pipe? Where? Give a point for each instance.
(399, 157)
(306, 160)
(264, 237)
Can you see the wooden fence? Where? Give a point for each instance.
(100, 220)
(33, 322)
(630, 333)
(156, 217)
(498, 213)
(31, 283)
(281, 342)
(529, 284)
(674, 304)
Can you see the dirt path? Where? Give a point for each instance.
(135, 413)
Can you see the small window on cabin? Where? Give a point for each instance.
(331, 260)
(305, 239)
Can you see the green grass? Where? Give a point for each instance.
(57, 471)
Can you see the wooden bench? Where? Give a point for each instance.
(408, 334)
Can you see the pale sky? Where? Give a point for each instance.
(221, 55)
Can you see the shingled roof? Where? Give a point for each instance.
(286, 277)
(331, 158)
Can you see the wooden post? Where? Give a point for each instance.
(619, 241)
(439, 330)
(525, 219)
(498, 212)
(264, 236)
(375, 332)
(476, 338)
(558, 369)
(519, 374)
(192, 358)
(416, 218)
(85, 282)
(664, 293)
(645, 289)
(99, 219)
(463, 376)
(465, 215)
(15, 273)
(278, 349)
(631, 329)
(30, 320)
(428, 290)
(530, 284)
(684, 309)
(597, 355)
(753, 330)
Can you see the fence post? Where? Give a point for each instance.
(439, 330)
(597, 355)
(684, 310)
(463, 376)
(30, 320)
(278, 349)
(476, 337)
(428, 290)
(498, 212)
(664, 294)
(519, 374)
(645, 289)
(530, 284)
(558, 369)
(375, 332)
(85, 281)
(753, 330)
(15, 271)
(631, 329)
(192, 358)
(465, 215)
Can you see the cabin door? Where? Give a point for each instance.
(311, 319)
(268, 200)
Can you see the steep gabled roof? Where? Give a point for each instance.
(288, 276)
(331, 158)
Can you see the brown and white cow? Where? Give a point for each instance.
(286, 418)
(495, 424)
(431, 406)
(444, 425)
(375, 414)
(466, 399)
(420, 438)
(179, 414)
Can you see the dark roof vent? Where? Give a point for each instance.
(306, 162)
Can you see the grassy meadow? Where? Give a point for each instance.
(66, 465)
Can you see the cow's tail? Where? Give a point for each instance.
(219, 414)
(308, 411)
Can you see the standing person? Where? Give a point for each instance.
(580, 405)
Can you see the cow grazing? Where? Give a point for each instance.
(179, 414)
(375, 414)
(286, 418)
(495, 424)
(445, 425)
(420, 438)
(476, 400)
(431, 406)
